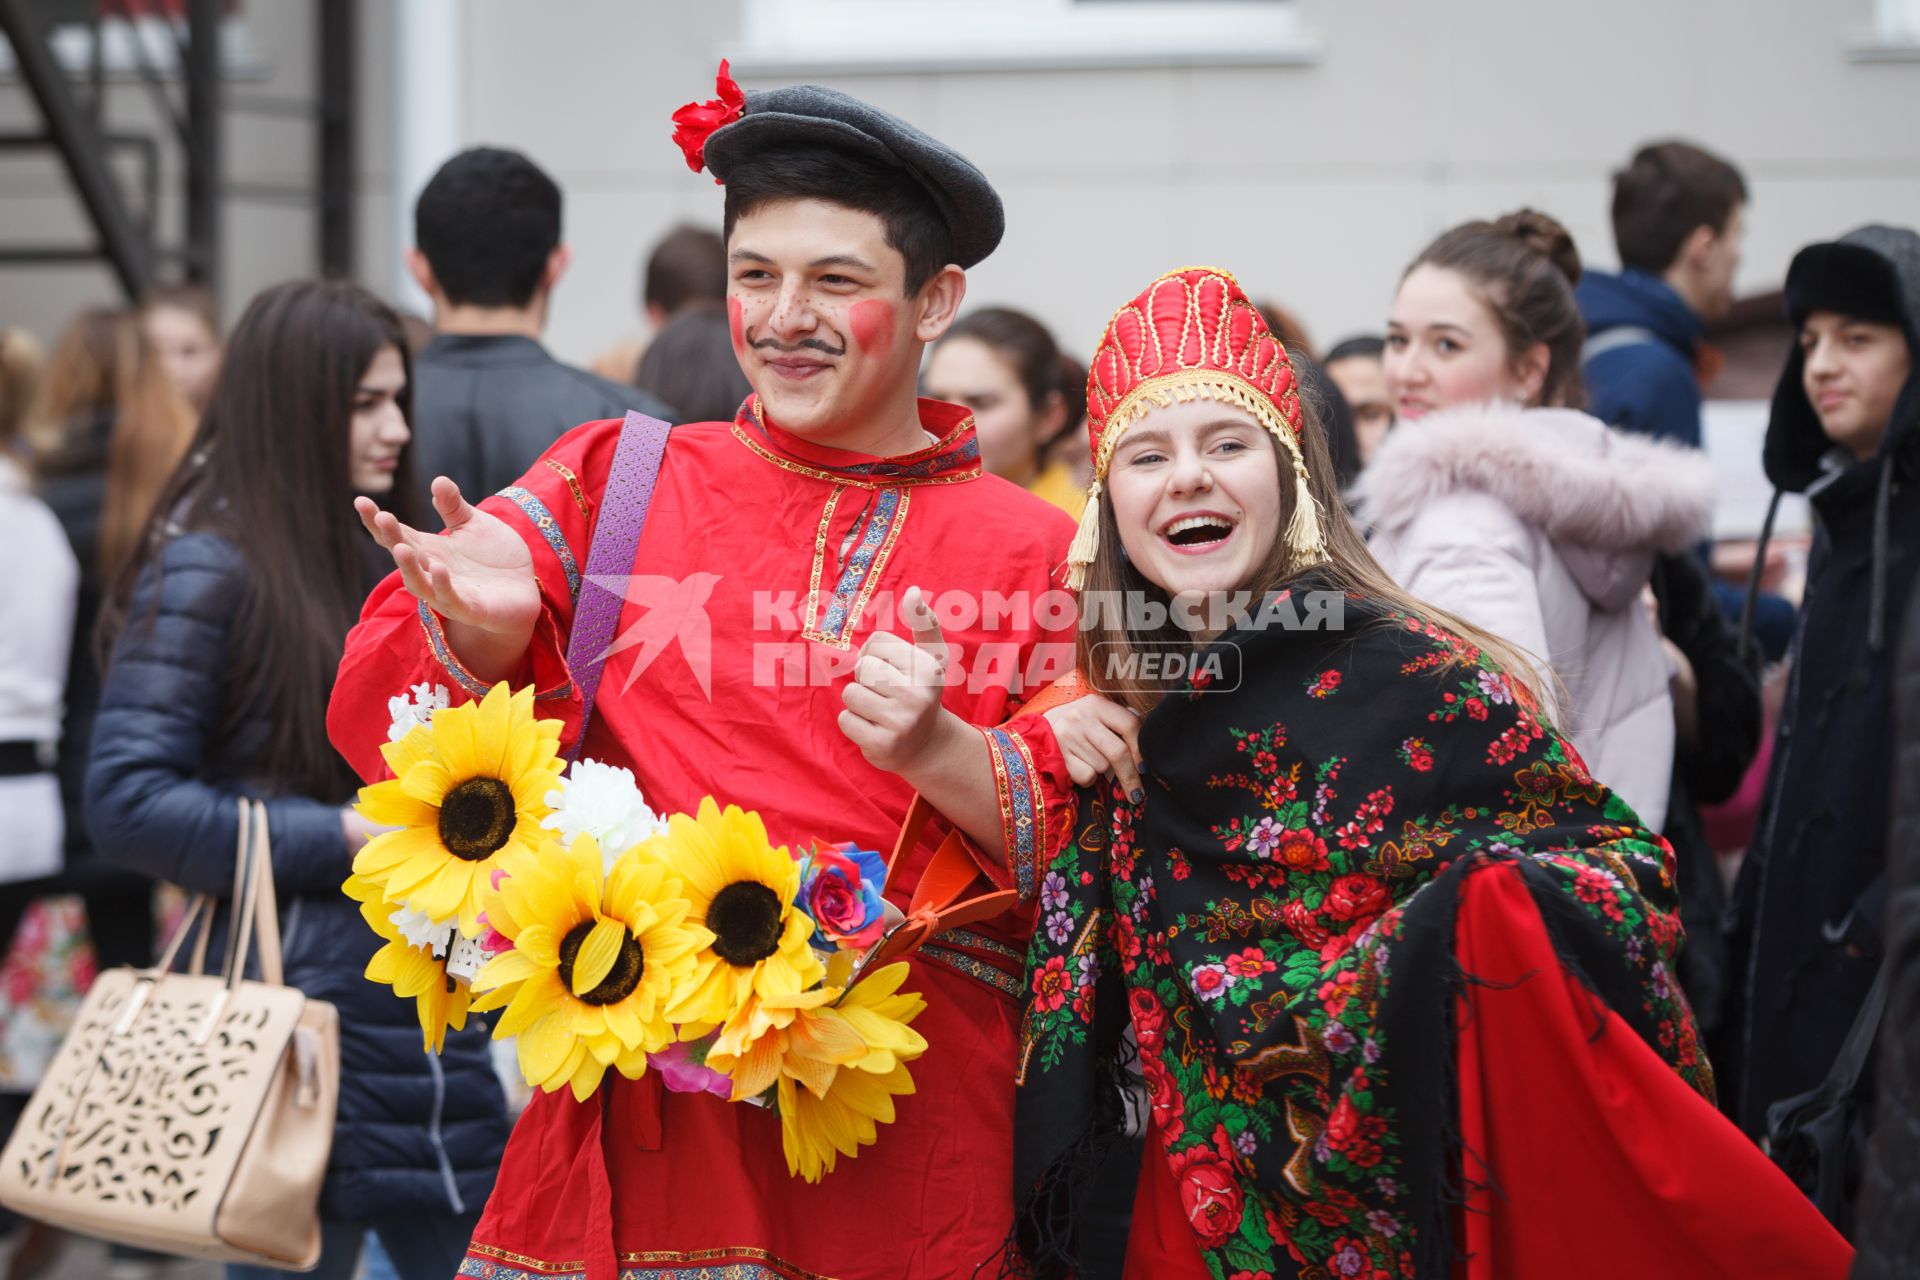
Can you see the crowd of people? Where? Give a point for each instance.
(1511, 471)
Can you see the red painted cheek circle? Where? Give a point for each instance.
(872, 323)
(736, 327)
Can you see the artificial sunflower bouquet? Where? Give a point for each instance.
(613, 938)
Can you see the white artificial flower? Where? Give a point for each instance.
(423, 933)
(602, 801)
(411, 712)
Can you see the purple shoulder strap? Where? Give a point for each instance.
(616, 539)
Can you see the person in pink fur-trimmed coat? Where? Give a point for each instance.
(1499, 500)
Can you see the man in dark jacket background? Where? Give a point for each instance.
(487, 398)
(1845, 430)
(1677, 215)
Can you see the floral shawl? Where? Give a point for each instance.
(1279, 914)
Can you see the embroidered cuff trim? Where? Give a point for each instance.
(549, 528)
(475, 687)
(1022, 821)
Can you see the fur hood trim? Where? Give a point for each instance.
(1558, 470)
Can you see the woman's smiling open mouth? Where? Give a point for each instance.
(1198, 532)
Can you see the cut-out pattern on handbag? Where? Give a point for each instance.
(145, 1115)
(185, 1112)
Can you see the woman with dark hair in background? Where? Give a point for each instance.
(1526, 517)
(690, 364)
(230, 623)
(1025, 396)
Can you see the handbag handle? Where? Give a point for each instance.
(253, 902)
(239, 904)
(258, 908)
(200, 909)
(266, 904)
(187, 920)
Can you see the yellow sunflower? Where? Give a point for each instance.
(596, 960)
(468, 789)
(441, 1001)
(837, 1069)
(750, 978)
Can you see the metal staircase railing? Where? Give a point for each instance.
(125, 233)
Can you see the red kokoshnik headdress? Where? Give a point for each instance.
(1192, 335)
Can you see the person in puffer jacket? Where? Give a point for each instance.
(1497, 499)
(230, 624)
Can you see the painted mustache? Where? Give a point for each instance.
(805, 344)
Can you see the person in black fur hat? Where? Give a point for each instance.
(1845, 431)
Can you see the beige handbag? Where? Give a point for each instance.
(187, 1113)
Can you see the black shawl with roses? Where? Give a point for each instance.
(1277, 920)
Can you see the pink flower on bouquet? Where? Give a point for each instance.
(683, 1069)
(492, 941)
(840, 889)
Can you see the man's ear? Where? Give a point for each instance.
(1697, 246)
(557, 263)
(422, 273)
(939, 302)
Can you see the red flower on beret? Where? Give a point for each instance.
(694, 123)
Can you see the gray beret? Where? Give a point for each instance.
(804, 113)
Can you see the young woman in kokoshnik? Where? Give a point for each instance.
(1399, 970)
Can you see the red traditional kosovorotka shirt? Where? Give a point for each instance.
(765, 563)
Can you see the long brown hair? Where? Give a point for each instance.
(104, 368)
(271, 471)
(1349, 567)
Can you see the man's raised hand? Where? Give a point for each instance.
(478, 576)
(893, 711)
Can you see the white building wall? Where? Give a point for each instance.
(1315, 181)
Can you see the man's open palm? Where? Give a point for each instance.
(478, 574)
